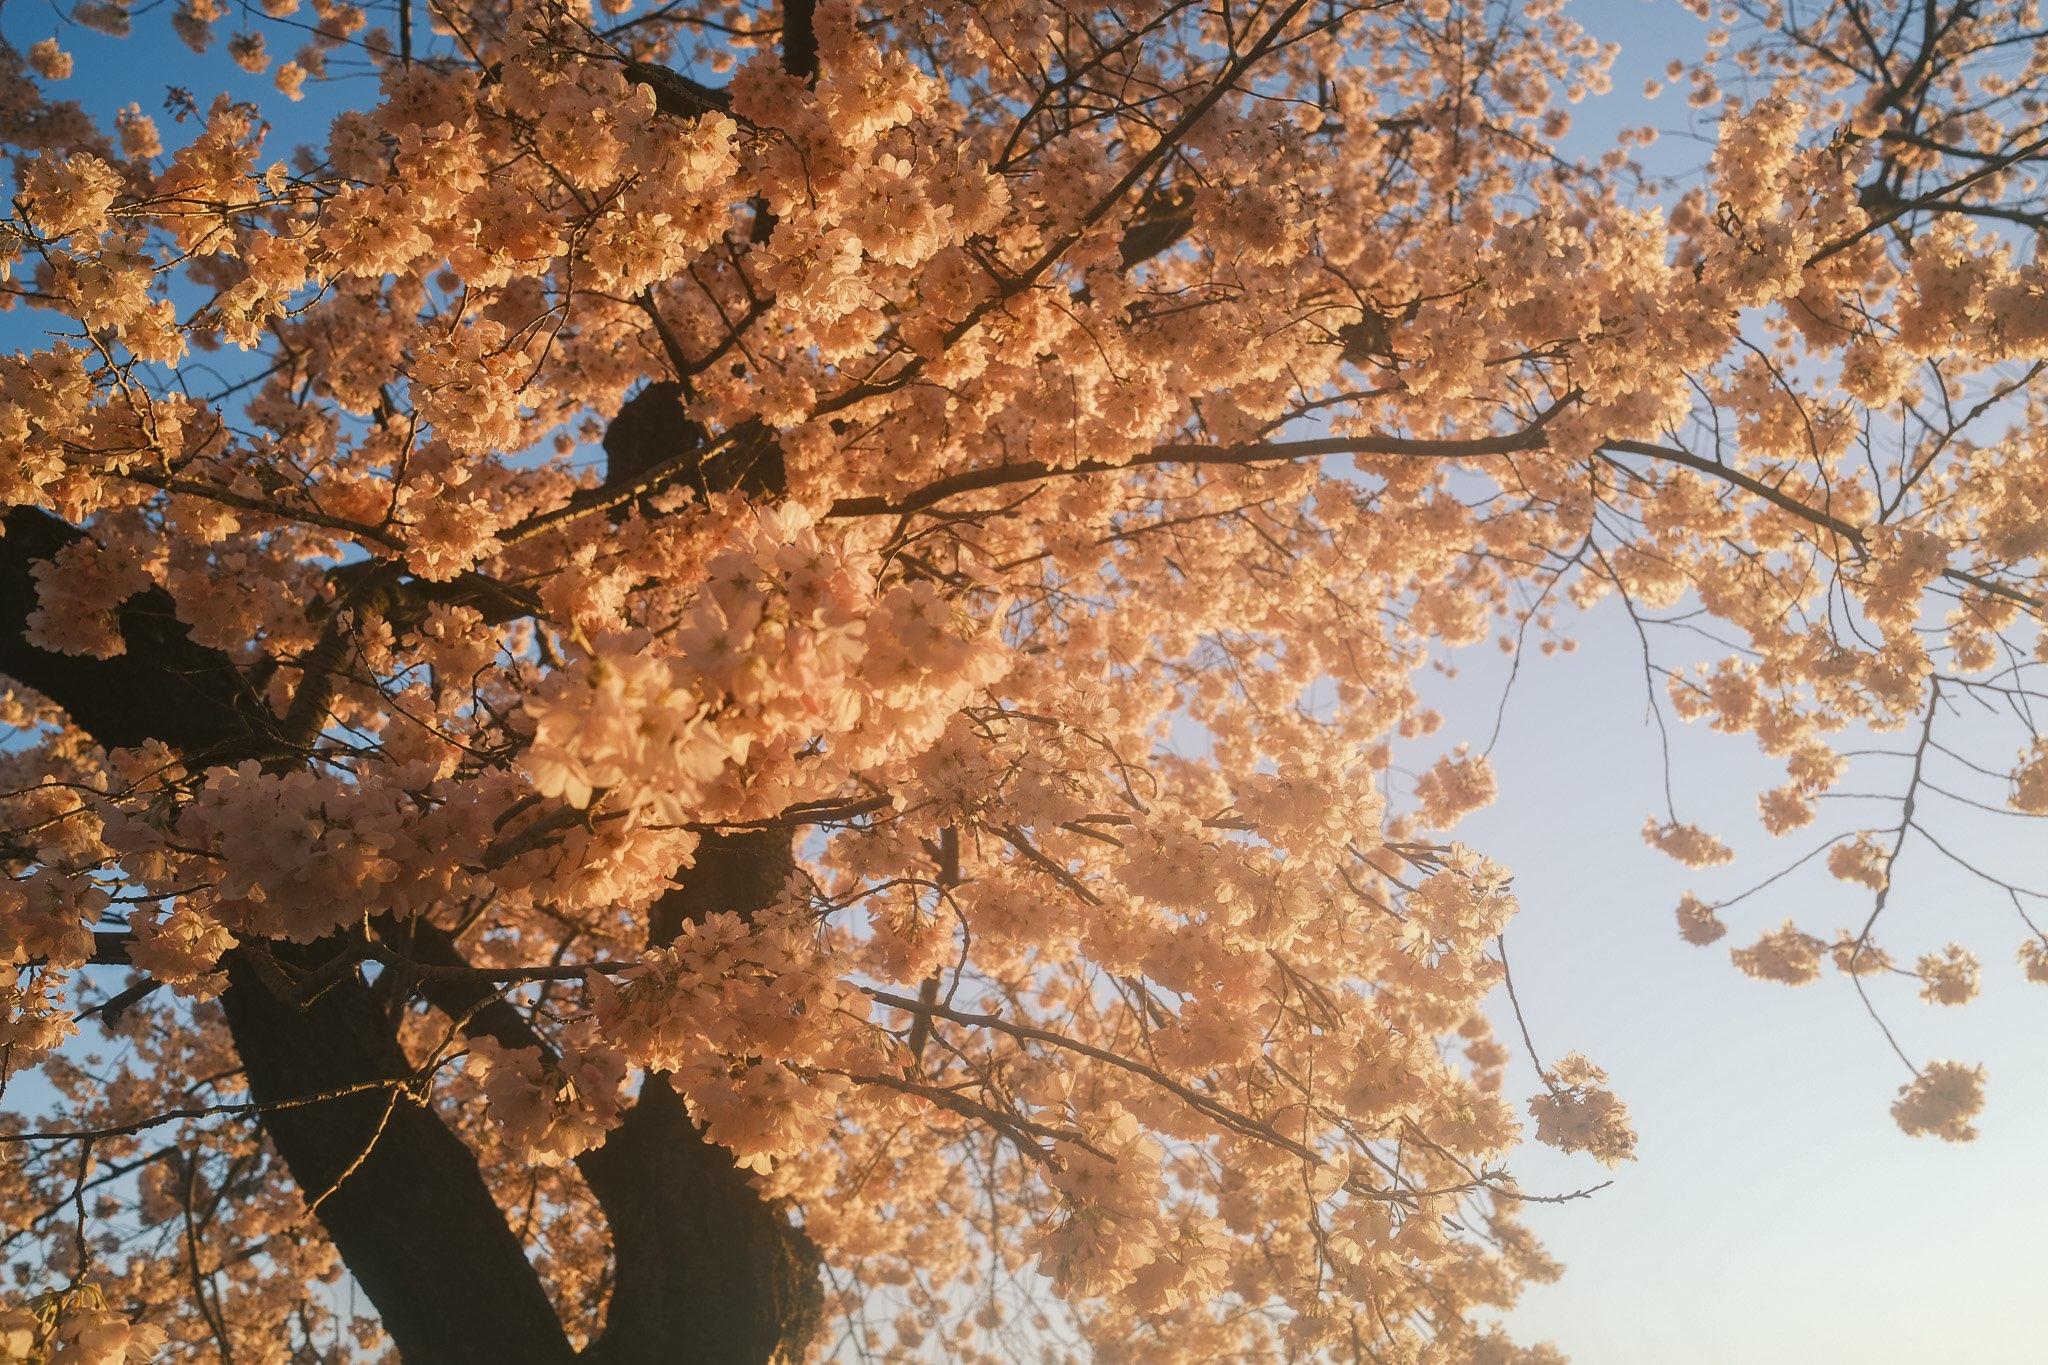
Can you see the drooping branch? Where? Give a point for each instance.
(1529, 439)
(1251, 453)
(1856, 537)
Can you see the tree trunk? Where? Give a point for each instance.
(705, 1270)
(700, 1257)
(403, 1201)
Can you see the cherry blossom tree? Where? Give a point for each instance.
(726, 680)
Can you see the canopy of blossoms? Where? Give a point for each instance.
(733, 673)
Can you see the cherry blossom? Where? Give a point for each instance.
(762, 675)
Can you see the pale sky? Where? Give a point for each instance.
(1776, 1215)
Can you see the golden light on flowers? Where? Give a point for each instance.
(940, 843)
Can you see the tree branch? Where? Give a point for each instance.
(1260, 452)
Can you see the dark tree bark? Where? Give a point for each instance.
(404, 1202)
(1164, 218)
(165, 687)
(800, 38)
(700, 1257)
(654, 431)
(704, 1269)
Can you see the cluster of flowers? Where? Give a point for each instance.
(788, 661)
(75, 1327)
